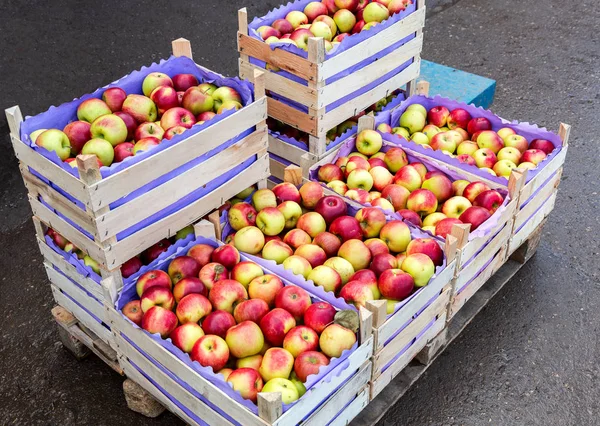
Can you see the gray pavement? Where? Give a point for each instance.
(531, 357)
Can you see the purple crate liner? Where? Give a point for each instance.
(391, 141)
(529, 131)
(335, 367)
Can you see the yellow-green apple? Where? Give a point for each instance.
(412, 107)
(397, 195)
(328, 242)
(396, 284)
(227, 105)
(504, 168)
(207, 88)
(217, 323)
(276, 251)
(463, 133)
(164, 97)
(516, 141)
(472, 190)
(505, 131)
(313, 253)
(287, 389)
(535, 156)
(332, 26)
(192, 308)
(458, 186)
(283, 26)
(300, 339)
(299, 385)
(246, 193)
(319, 315)
(420, 138)
(422, 201)
(205, 116)
(92, 108)
(454, 207)
(286, 192)
(484, 158)
(226, 255)
(467, 148)
(356, 163)
(296, 237)
(245, 339)
(509, 153)
(441, 187)
(401, 131)
(187, 286)
(381, 176)
(368, 277)
(346, 228)
(211, 351)
(527, 165)
(133, 311)
(326, 277)
(445, 141)
(430, 131)
(383, 262)
(427, 246)
(141, 108)
(78, 133)
(155, 250)
(350, 5)
(330, 172)
(438, 116)
(265, 288)
(541, 144)
(174, 117)
(335, 339)
(251, 239)
(368, 142)
(247, 382)
(196, 101)
(271, 222)
(490, 139)
(225, 294)
(226, 372)
(478, 124)
(311, 193)
(466, 159)
(395, 159)
(490, 200)
(57, 141)
(375, 12)
(420, 267)
(412, 120)
(308, 363)
(184, 232)
(376, 246)
(211, 273)
(114, 98)
(444, 227)
(300, 36)
(182, 82)
(321, 29)
(201, 252)
(371, 220)
(296, 18)
(312, 223)
(122, 151)
(383, 204)
(267, 32)
(253, 362)
(250, 310)
(157, 296)
(276, 324)
(490, 171)
(154, 80)
(342, 267)
(359, 195)
(338, 186)
(357, 292)
(185, 336)
(159, 320)
(357, 253)
(408, 177)
(458, 118)
(151, 279)
(297, 265)
(145, 144)
(241, 215)
(384, 128)
(396, 234)
(475, 216)
(33, 135)
(244, 272)
(329, 208)
(183, 267)
(293, 299)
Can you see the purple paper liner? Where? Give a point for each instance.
(529, 131)
(390, 142)
(334, 368)
(311, 287)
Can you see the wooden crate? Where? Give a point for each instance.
(336, 399)
(316, 95)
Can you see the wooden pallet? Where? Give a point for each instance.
(316, 95)
(379, 406)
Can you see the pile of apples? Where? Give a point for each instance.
(132, 265)
(359, 258)
(388, 180)
(227, 314)
(121, 125)
(471, 140)
(333, 20)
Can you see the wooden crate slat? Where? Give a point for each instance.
(238, 412)
(372, 72)
(538, 200)
(157, 199)
(372, 45)
(530, 226)
(292, 116)
(285, 150)
(351, 411)
(128, 180)
(168, 226)
(277, 168)
(544, 174)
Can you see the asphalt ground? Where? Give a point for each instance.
(531, 357)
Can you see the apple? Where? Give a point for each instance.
(397, 195)
(141, 108)
(444, 227)
(301, 339)
(408, 177)
(380, 176)
(195, 101)
(376, 246)
(253, 361)
(321, 29)
(422, 201)
(189, 285)
(192, 308)
(308, 363)
(371, 220)
(241, 215)
(410, 216)
(245, 339)
(335, 339)
(377, 161)
(294, 300)
(467, 148)
(88, 261)
(144, 145)
(176, 117)
(201, 252)
(297, 265)
(244, 272)
(154, 80)
(264, 198)
(396, 234)
(313, 253)
(286, 192)
(342, 267)
(509, 153)
(185, 336)
(211, 351)
(154, 278)
(368, 142)
(326, 277)
(91, 109)
(338, 186)
(225, 372)
(78, 133)
(57, 141)
(354, 163)
(212, 273)
(133, 311)
(267, 32)
(420, 267)
(157, 296)
(131, 267)
(319, 315)
(356, 253)
(427, 246)
(515, 141)
(226, 293)
(505, 132)
(296, 18)
(300, 37)
(155, 250)
(226, 255)
(396, 284)
(455, 206)
(445, 141)
(247, 382)
(296, 237)
(330, 172)
(250, 310)
(329, 208)
(475, 216)
(491, 200)
(472, 190)
(159, 320)
(183, 267)
(331, 7)
(165, 98)
(504, 168)
(276, 324)
(287, 389)
(375, 12)
(312, 223)
(205, 116)
(458, 186)
(438, 116)
(395, 159)
(527, 165)
(420, 138)
(174, 131)
(485, 158)
(440, 186)
(114, 98)
(368, 277)
(458, 118)
(383, 204)
(490, 139)
(271, 222)
(412, 120)
(357, 292)
(328, 242)
(276, 251)
(359, 195)
(397, 6)
(543, 145)
(383, 262)
(466, 159)
(283, 26)
(122, 151)
(384, 128)
(478, 124)
(535, 156)
(217, 323)
(182, 82)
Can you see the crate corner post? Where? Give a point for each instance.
(270, 406)
(14, 119)
(182, 47)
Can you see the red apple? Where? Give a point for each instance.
(357, 292)
(319, 315)
(330, 172)
(426, 246)
(458, 118)
(376, 246)
(383, 262)
(328, 242)
(225, 294)
(397, 195)
(311, 193)
(438, 116)
(276, 324)
(183, 267)
(226, 255)
(286, 192)
(265, 287)
(131, 267)
(396, 284)
(129, 122)
(309, 363)
(159, 320)
(165, 98)
(157, 296)
(247, 382)
(211, 351)
(250, 310)
(182, 82)
(187, 286)
(330, 207)
(478, 124)
(211, 273)
(133, 311)
(300, 339)
(153, 278)
(155, 250)
(472, 190)
(78, 133)
(122, 151)
(541, 144)
(475, 216)
(192, 308)
(185, 336)
(371, 220)
(218, 322)
(293, 299)
(410, 216)
(201, 252)
(444, 227)
(114, 98)
(346, 228)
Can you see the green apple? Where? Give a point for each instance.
(56, 141)
(420, 138)
(412, 119)
(100, 148)
(289, 391)
(417, 107)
